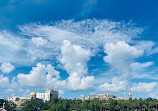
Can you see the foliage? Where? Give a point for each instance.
(33, 105)
(9, 106)
(91, 105)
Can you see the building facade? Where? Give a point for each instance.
(104, 97)
(18, 100)
(47, 96)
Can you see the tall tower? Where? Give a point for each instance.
(130, 95)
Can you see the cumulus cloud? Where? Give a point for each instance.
(74, 59)
(112, 87)
(120, 55)
(11, 88)
(6, 67)
(4, 81)
(41, 77)
(144, 87)
(14, 89)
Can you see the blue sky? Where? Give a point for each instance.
(81, 46)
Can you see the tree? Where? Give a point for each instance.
(9, 106)
(33, 105)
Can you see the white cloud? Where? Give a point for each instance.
(144, 87)
(149, 47)
(89, 34)
(112, 87)
(75, 58)
(120, 56)
(142, 70)
(14, 89)
(6, 67)
(75, 82)
(138, 65)
(44, 42)
(11, 48)
(39, 41)
(4, 81)
(41, 77)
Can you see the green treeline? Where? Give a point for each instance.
(59, 104)
(148, 104)
(9, 106)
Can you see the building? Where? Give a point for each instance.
(18, 100)
(33, 95)
(101, 97)
(47, 96)
(104, 97)
(97, 96)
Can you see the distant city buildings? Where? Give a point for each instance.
(47, 96)
(104, 97)
(51, 94)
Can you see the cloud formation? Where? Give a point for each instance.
(4, 81)
(37, 42)
(89, 34)
(6, 67)
(112, 87)
(12, 48)
(120, 55)
(41, 77)
(73, 43)
(144, 87)
(74, 59)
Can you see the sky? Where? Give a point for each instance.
(81, 46)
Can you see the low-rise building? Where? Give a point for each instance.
(104, 97)
(18, 100)
(47, 96)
